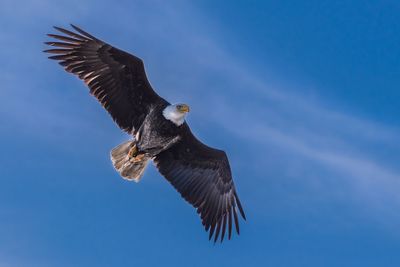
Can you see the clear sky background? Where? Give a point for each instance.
(302, 95)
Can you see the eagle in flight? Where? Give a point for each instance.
(117, 79)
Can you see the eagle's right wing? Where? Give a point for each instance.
(202, 176)
(116, 78)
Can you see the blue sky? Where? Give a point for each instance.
(304, 97)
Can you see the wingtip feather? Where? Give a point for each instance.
(239, 205)
(76, 28)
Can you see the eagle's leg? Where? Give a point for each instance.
(134, 155)
(137, 158)
(133, 151)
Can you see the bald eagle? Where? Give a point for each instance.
(117, 79)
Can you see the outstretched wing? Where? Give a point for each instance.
(202, 176)
(116, 78)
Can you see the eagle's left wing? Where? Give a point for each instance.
(202, 176)
(116, 78)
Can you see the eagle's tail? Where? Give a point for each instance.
(130, 168)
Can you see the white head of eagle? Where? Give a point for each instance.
(176, 113)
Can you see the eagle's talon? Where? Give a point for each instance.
(138, 158)
(133, 152)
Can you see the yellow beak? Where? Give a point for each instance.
(183, 108)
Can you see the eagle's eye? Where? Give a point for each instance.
(182, 108)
